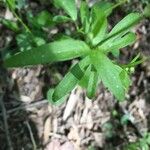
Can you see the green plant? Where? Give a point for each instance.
(143, 143)
(91, 43)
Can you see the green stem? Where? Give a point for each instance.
(119, 3)
(18, 18)
(133, 64)
(76, 25)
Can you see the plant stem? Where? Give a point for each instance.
(76, 25)
(18, 18)
(135, 63)
(119, 3)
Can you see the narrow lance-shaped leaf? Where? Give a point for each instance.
(135, 58)
(84, 81)
(104, 7)
(147, 10)
(84, 16)
(92, 84)
(61, 19)
(122, 27)
(53, 52)
(69, 6)
(108, 7)
(125, 24)
(11, 4)
(125, 79)
(101, 33)
(98, 24)
(97, 20)
(71, 79)
(99, 12)
(111, 45)
(10, 24)
(109, 74)
(134, 62)
(50, 99)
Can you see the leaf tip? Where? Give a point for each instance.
(53, 97)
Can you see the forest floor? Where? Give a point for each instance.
(28, 121)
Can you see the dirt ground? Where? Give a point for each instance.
(29, 122)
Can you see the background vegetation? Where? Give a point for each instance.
(27, 121)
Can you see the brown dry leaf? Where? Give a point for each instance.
(47, 130)
(90, 122)
(72, 101)
(54, 145)
(25, 99)
(55, 125)
(68, 146)
(88, 104)
(74, 135)
(99, 138)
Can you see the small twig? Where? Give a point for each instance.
(31, 135)
(27, 106)
(4, 114)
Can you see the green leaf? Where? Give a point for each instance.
(125, 119)
(84, 16)
(71, 79)
(11, 4)
(50, 99)
(104, 7)
(115, 53)
(92, 84)
(148, 138)
(48, 53)
(38, 41)
(69, 6)
(143, 144)
(43, 19)
(84, 81)
(109, 74)
(147, 11)
(124, 77)
(20, 4)
(10, 24)
(134, 62)
(100, 31)
(98, 26)
(61, 19)
(135, 58)
(125, 24)
(97, 19)
(116, 44)
(26, 41)
(123, 27)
